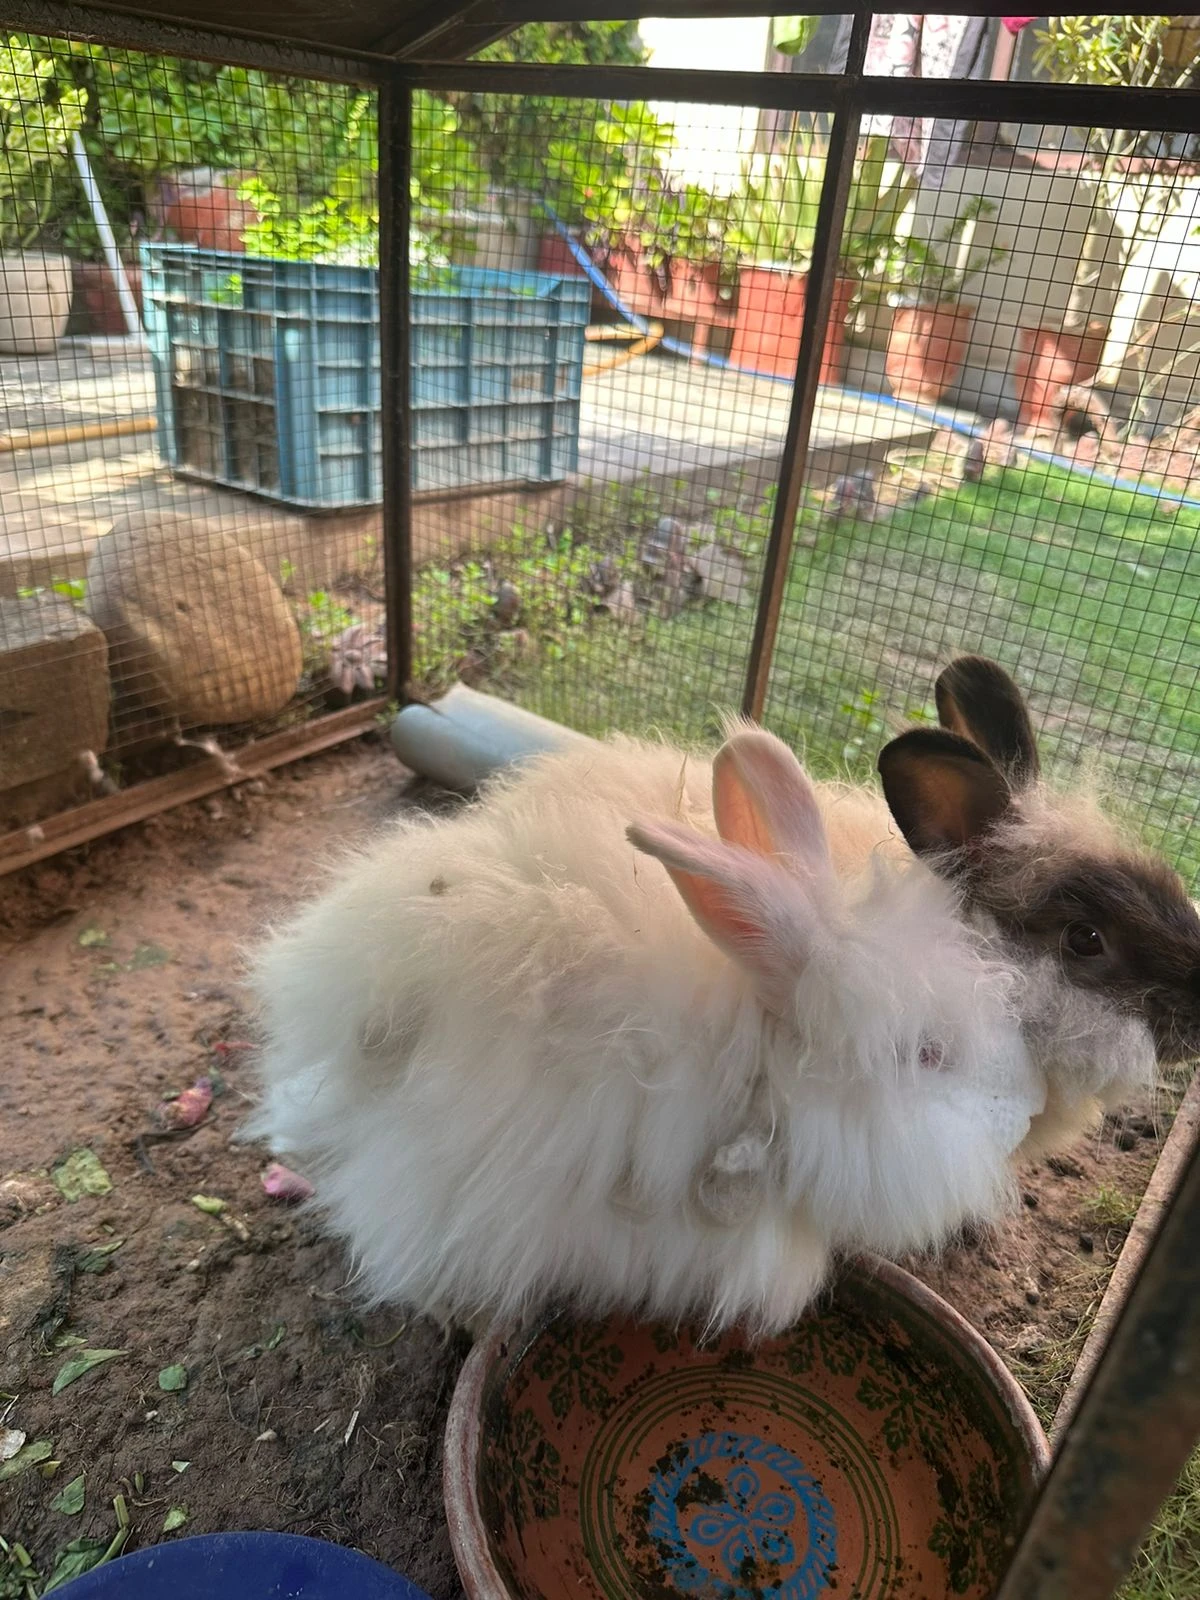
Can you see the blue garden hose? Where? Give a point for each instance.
(941, 419)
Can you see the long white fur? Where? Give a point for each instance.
(517, 1069)
(1092, 1055)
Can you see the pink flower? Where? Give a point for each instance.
(1015, 24)
(281, 1183)
(188, 1108)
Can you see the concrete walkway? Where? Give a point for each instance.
(678, 427)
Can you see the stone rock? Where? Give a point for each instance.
(54, 689)
(723, 574)
(197, 627)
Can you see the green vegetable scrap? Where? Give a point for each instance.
(70, 1501)
(80, 1174)
(84, 1362)
(29, 1455)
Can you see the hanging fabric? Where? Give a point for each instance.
(906, 46)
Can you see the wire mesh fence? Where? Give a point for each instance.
(156, 344)
(1000, 458)
(608, 297)
(624, 596)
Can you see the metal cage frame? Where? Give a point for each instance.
(1139, 1418)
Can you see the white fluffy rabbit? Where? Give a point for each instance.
(531, 1053)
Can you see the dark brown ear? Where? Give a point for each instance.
(943, 791)
(978, 699)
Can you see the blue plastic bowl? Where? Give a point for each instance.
(243, 1566)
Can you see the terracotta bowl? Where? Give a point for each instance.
(879, 1450)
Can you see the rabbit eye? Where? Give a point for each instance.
(1082, 940)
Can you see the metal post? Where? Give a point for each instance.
(1136, 1426)
(108, 241)
(839, 169)
(395, 380)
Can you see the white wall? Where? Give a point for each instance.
(711, 139)
(1042, 221)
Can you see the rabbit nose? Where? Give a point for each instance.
(931, 1055)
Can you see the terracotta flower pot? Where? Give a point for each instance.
(203, 208)
(35, 302)
(96, 295)
(677, 291)
(1048, 362)
(770, 314)
(925, 350)
(554, 256)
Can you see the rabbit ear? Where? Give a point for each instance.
(978, 699)
(943, 791)
(751, 910)
(764, 800)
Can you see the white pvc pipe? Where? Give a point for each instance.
(466, 736)
(108, 240)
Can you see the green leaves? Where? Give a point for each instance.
(70, 1500)
(29, 1455)
(76, 1558)
(86, 1361)
(79, 1174)
(792, 35)
(783, 194)
(938, 270)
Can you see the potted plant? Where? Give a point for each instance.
(1050, 360)
(669, 248)
(36, 128)
(931, 324)
(1134, 176)
(881, 191)
(782, 192)
(676, 257)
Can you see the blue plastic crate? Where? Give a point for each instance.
(267, 375)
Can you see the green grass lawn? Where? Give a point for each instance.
(1169, 1565)
(1092, 595)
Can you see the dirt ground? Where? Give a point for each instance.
(119, 985)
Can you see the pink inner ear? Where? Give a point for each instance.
(764, 800)
(720, 884)
(760, 916)
(739, 821)
(712, 906)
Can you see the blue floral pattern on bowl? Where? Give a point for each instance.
(737, 1517)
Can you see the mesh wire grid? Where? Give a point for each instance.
(606, 314)
(146, 607)
(1000, 459)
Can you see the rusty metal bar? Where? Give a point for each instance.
(135, 29)
(432, 30)
(781, 91)
(1174, 1156)
(24, 846)
(1073, 105)
(818, 300)
(395, 378)
(1135, 1428)
(1065, 105)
